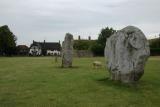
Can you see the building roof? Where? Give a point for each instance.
(22, 47)
(48, 45)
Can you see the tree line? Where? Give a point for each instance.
(8, 42)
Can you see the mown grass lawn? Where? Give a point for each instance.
(40, 82)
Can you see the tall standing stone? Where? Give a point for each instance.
(67, 51)
(126, 52)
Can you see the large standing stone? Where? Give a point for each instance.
(126, 52)
(67, 51)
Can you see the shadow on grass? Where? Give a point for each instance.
(73, 67)
(108, 82)
(132, 87)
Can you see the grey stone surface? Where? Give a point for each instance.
(126, 52)
(67, 51)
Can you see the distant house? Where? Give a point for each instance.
(22, 50)
(45, 48)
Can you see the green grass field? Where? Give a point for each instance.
(40, 82)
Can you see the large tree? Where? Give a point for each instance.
(98, 47)
(7, 41)
(104, 34)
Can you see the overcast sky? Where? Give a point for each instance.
(51, 19)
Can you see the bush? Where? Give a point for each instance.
(83, 44)
(97, 49)
(154, 43)
(155, 51)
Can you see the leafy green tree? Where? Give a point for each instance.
(98, 47)
(7, 41)
(155, 46)
(154, 43)
(104, 34)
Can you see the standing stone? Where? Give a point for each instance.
(67, 51)
(126, 52)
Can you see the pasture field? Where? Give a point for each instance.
(40, 82)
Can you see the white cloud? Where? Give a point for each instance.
(51, 19)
